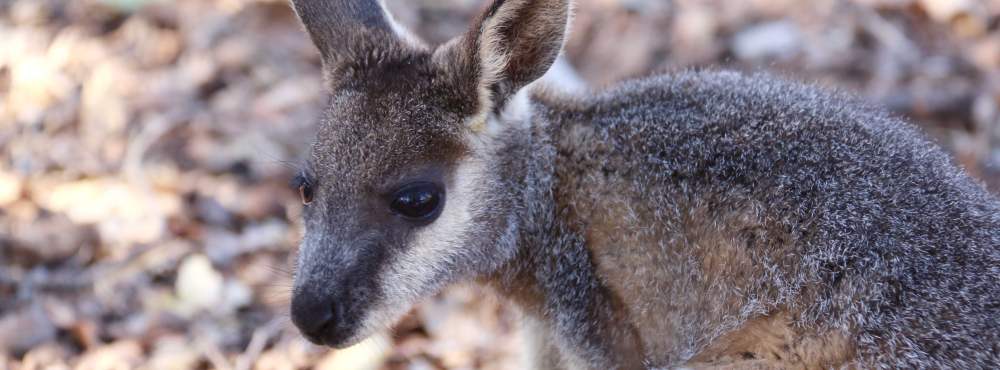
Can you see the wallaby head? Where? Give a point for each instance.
(405, 189)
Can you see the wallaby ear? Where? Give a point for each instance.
(354, 33)
(513, 43)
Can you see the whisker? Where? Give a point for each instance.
(279, 270)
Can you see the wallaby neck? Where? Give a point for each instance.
(552, 277)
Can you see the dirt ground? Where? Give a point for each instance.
(146, 147)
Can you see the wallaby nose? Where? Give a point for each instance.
(314, 315)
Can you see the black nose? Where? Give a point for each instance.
(314, 315)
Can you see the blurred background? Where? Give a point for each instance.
(145, 148)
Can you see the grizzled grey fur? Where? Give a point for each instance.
(700, 219)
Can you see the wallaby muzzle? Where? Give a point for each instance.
(335, 289)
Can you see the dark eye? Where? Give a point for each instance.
(418, 201)
(301, 183)
(306, 193)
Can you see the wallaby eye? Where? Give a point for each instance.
(306, 193)
(418, 201)
(301, 183)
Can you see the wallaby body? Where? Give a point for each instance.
(702, 219)
(714, 219)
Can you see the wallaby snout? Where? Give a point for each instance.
(317, 315)
(335, 286)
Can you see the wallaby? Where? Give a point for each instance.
(698, 219)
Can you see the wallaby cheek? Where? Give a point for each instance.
(433, 255)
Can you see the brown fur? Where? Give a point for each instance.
(691, 283)
(772, 342)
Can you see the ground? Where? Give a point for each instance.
(145, 148)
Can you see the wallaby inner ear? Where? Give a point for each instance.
(513, 43)
(354, 33)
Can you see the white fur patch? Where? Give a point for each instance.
(564, 78)
(516, 114)
(518, 108)
(535, 343)
(417, 271)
